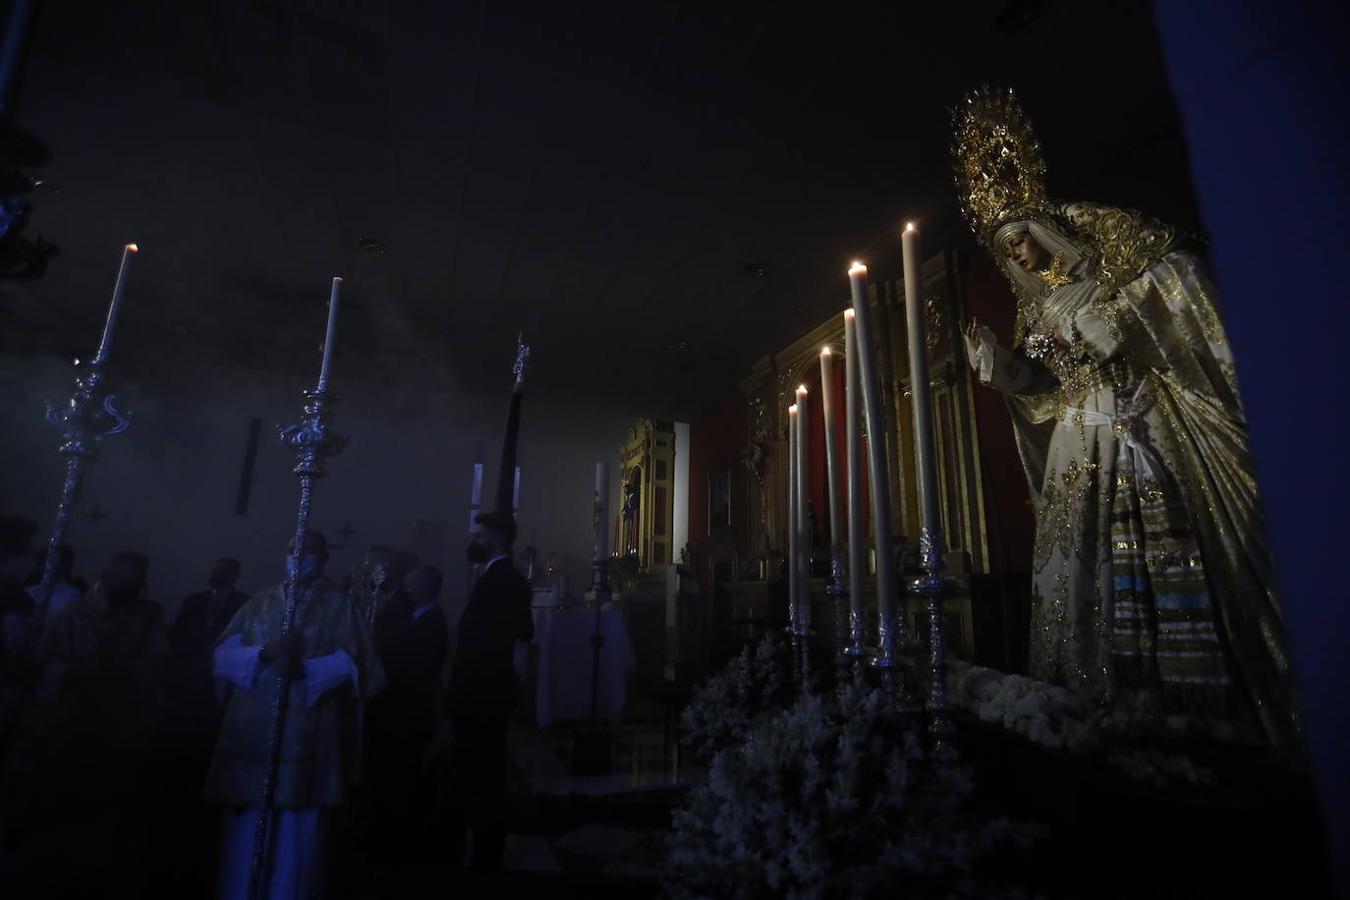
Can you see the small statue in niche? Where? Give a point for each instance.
(630, 501)
(753, 454)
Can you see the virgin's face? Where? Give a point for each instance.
(1026, 253)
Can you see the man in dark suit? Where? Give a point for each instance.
(187, 728)
(482, 690)
(411, 640)
(204, 615)
(201, 619)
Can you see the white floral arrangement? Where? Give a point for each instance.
(727, 706)
(833, 795)
(1076, 723)
(823, 795)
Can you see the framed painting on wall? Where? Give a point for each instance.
(719, 501)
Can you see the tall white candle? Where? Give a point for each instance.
(922, 394)
(331, 333)
(882, 534)
(477, 484)
(791, 519)
(857, 536)
(831, 447)
(803, 520)
(476, 496)
(115, 307)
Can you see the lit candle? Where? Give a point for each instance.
(791, 518)
(857, 537)
(882, 535)
(601, 509)
(920, 390)
(115, 307)
(831, 447)
(331, 334)
(803, 521)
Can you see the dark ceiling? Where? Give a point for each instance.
(657, 193)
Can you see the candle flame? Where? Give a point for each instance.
(801, 389)
(792, 410)
(909, 226)
(825, 351)
(857, 268)
(132, 248)
(848, 315)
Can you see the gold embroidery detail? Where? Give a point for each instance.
(1060, 516)
(1126, 242)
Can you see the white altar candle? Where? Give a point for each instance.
(882, 534)
(831, 447)
(803, 520)
(476, 497)
(921, 391)
(791, 517)
(115, 307)
(477, 484)
(331, 334)
(857, 536)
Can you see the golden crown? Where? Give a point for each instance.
(998, 164)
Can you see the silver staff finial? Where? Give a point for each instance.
(522, 360)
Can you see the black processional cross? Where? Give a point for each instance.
(95, 514)
(345, 532)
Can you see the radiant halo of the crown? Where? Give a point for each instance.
(998, 164)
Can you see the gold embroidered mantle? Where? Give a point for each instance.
(1164, 382)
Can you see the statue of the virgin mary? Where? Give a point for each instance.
(1151, 569)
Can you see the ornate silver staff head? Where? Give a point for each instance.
(521, 362)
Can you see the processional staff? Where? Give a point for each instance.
(88, 417)
(311, 441)
(508, 474)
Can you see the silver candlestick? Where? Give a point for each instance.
(311, 441)
(839, 593)
(934, 587)
(88, 417)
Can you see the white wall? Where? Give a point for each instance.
(169, 484)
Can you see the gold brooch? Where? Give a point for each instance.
(1055, 276)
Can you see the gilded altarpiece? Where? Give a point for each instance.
(646, 525)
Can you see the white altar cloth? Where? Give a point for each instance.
(565, 663)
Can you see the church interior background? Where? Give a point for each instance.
(677, 270)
